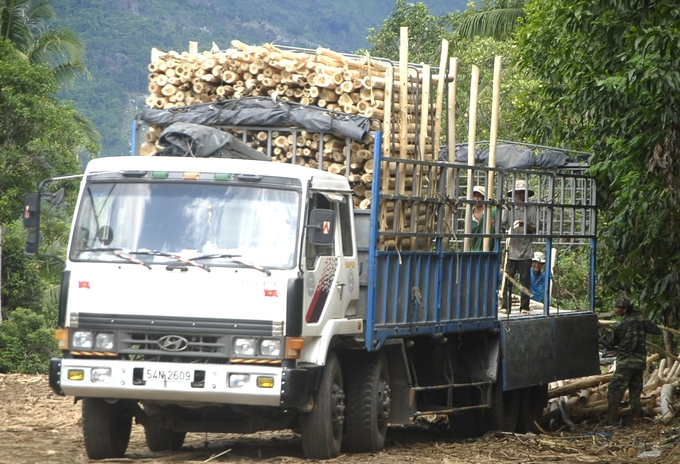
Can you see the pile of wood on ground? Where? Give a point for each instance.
(396, 96)
(579, 399)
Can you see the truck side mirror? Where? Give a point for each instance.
(31, 218)
(321, 226)
(32, 242)
(31, 215)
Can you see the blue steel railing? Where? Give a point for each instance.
(421, 281)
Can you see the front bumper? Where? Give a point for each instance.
(289, 389)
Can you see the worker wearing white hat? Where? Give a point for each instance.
(478, 215)
(523, 219)
(537, 277)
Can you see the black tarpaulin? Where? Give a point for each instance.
(515, 157)
(258, 111)
(188, 139)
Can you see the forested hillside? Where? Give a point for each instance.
(119, 35)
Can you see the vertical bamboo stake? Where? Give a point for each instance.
(436, 135)
(387, 147)
(472, 141)
(424, 111)
(417, 187)
(403, 120)
(451, 137)
(493, 142)
(438, 102)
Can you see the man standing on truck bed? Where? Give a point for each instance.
(629, 335)
(520, 249)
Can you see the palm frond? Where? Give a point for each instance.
(14, 24)
(56, 46)
(495, 23)
(39, 11)
(89, 129)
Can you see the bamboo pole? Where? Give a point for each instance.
(440, 97)
(451, 137)
(403, 101)
(493, 141)
(472, 141)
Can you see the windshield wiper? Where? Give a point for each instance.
(82, 250)
(170, 255)
(215, 256)
(254, 266)
(116, 251)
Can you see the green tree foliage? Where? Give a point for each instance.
(25, 23)
(22, 285)
(28, 25)
(425, 36)
(39, 136)
(428, 29)
(609, 83)
(27, 344)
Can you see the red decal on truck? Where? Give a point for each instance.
(322, 290)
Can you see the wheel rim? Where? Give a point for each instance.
(384, 402)
(337, 409)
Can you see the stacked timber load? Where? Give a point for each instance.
(395, 96)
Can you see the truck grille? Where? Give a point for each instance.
(172, 343)
(167, 338)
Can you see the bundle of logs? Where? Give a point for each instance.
(578, 399)
(355, 85)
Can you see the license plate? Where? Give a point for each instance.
(169, 375)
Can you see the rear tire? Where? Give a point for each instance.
(533, 401)
(504, 408)
(322, 427)
(158, 439)
(470, 423)
(106, 428)
(369, 401)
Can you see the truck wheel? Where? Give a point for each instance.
(106, 428)
(368, 404)
(532, 402)
(322, 427)
(158, 439)
(504, 408)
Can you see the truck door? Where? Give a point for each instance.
(331, 274)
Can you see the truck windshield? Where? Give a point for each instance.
(219, 225)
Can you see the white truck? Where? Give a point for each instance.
(206, 294)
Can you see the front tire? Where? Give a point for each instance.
(368, 404)
(106, 428)
(322, 427)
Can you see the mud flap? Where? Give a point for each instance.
(539, 351)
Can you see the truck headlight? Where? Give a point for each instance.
(238, 380)
(270, 347)
(244, 346)
(82, 339)
(101, 375)
(104, 341)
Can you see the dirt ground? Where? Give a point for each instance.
(38, 426)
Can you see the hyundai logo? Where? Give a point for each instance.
(173, 343)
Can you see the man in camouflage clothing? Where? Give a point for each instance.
(630, 335)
